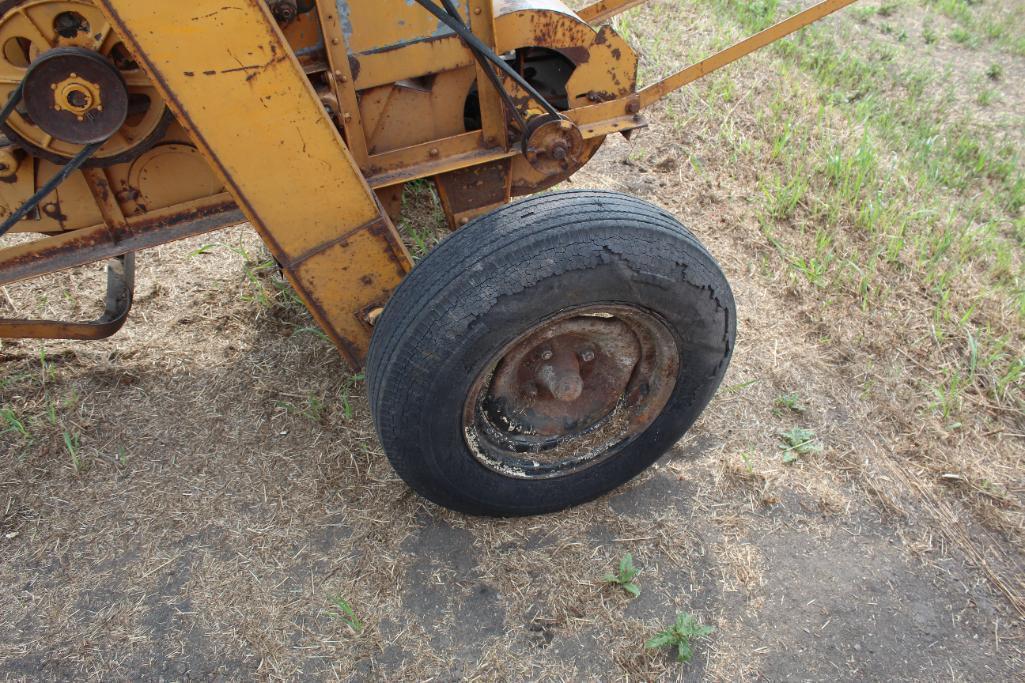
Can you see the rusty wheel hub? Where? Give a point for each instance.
(570, 391)
(555, 146)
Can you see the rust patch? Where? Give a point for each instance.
(474, 187)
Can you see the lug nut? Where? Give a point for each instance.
(587, 355)
(546, 354)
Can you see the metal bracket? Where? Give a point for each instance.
(118, 303)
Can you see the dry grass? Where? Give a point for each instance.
(192, 497)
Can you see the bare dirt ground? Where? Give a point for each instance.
(191, 499)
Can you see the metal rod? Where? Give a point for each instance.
(655, 92)
(606, 9)
(51, 185)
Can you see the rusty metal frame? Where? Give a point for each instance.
(336, 246)
(348, 264)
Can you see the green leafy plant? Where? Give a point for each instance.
(346, 614)
(746, 458)
(797, 442)
(679, 636)
(624, 578)
(9, 420)
(790, 401)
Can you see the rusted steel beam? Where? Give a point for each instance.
(81, 247)
(654, 93)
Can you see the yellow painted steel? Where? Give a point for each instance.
(304, 125)
(232, 81)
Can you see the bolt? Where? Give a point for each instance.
(633, 107)
(546, 354)
(374, 315)
(335, 41)
(464, 220)
(587, 355)
(559, 151)
(347, 116)
(563, 386)
(434, 152)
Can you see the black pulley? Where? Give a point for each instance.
(75, 95)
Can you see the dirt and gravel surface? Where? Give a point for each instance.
(193, 499)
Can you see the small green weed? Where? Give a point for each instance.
(798, 442)
(11, 423)
(72, 443)
(995, 72)
(746, 458)
(313, 410)
(624, 578)
(963, 36)
(740, 386)
(679, 636)
(790, 401)
(345, 395)
(346, 614)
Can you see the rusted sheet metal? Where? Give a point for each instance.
(81, 247)
(287, 167)
(388, 23)
(654, 93)
(117, 304)
(475, 190)
(411, 60)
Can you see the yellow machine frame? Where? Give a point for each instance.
(317, 165)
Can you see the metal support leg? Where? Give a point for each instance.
(283, 160)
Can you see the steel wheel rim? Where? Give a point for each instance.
(571, 391)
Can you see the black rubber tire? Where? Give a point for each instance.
(496, 278)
